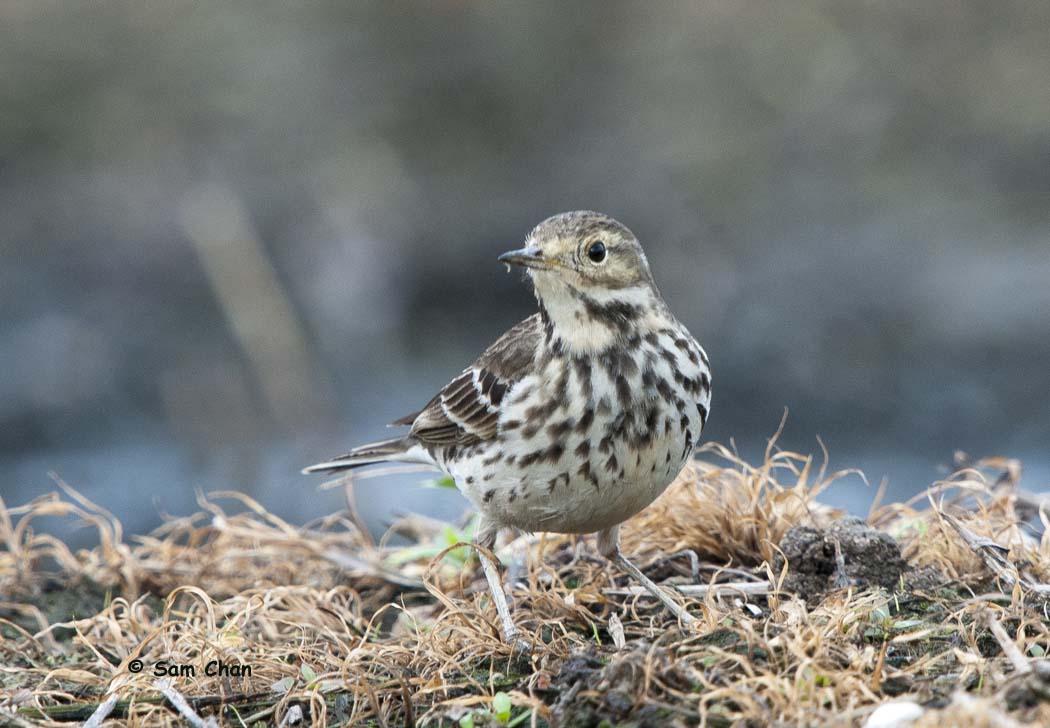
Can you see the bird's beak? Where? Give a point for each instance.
(529, 257)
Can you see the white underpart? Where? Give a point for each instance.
(524, 499)
(635, 295)
(565, 311)
(578, 333)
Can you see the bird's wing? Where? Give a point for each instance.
(467, 409)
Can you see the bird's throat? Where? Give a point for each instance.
(591, 322)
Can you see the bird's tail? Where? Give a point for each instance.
(398, 449)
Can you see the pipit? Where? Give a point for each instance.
(578, 417)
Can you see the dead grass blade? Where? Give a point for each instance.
(340, 630)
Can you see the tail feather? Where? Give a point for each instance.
(398, 449)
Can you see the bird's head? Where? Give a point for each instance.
(586, 251)
(591, 278)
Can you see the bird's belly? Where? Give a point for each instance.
(585, 445)
(582, 481)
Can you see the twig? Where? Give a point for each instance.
(994, 556)
(753, 588)
(101, 712)
(350, 562)
(1017, 659)
(744, 573)
(257, 716)
(82, 711)
(179, 703)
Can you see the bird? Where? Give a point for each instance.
(576, 418)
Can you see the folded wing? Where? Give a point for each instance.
(467, 410)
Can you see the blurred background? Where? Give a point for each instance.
(236, 238)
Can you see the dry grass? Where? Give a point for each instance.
(338, 630)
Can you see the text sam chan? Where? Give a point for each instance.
(215, 668)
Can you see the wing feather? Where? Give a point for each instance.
(467, 409)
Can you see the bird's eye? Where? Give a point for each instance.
(596, 252)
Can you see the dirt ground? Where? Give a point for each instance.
(932, 611)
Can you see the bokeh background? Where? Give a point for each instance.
(237, 237)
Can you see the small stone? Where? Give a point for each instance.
(898, 714)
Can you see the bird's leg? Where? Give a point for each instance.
(609, 547)
(486, 538)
